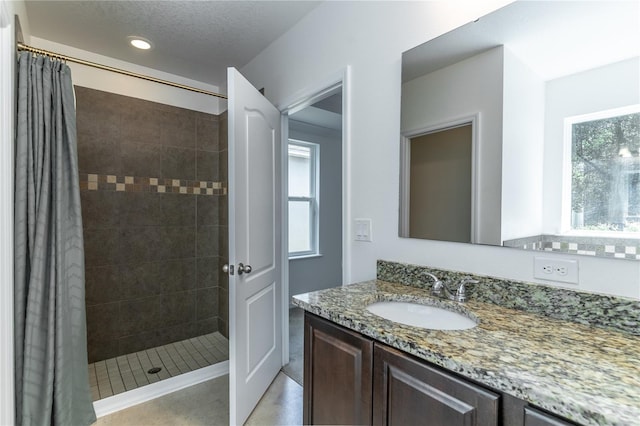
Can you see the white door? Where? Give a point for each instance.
(255, 313)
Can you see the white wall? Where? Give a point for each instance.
(316, 273)
(612, 86)
(7, 107)
(6, 213)
(370, 38)
(107, 81)
(469, 87)
(522, 150)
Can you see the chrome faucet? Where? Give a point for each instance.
(461, 292)
(441, 290)
(439, 287)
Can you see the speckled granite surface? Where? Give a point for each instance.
(587, 374)
(610, 312)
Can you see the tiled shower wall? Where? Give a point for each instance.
(223, 278)
(155, 222)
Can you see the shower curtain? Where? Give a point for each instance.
(52, 386)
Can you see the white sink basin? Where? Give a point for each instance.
(423, 316)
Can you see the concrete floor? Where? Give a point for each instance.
(296, 345)
(281, 405)
(207, 404)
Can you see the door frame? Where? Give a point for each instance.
(405, 168)
(298, 101)
(7, 114)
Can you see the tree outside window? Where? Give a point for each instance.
(605, 172)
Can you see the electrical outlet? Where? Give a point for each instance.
(552, 269)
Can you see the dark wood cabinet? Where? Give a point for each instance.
(534, 417)
(410, 392)
(350, 380)
(338, 367)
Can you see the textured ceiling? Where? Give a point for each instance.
(193, 39)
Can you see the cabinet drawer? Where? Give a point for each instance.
(533, 417)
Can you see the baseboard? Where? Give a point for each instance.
(146, 393)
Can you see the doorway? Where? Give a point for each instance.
(315, 207)
(440, 184)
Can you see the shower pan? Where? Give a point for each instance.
(131, 371)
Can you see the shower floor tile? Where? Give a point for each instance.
(126, 372)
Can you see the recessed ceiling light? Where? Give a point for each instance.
(140, 43)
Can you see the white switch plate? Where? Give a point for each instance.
(553, 269)
(363, 229)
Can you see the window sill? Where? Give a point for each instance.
(305, 256)
(600, 234)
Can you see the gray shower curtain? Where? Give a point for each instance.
(52, 386)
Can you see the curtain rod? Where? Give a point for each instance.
(22, 46)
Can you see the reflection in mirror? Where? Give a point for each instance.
(605, 187)
(440, 197)
(438, 184)
(555, 89)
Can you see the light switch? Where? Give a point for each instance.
(363, 229)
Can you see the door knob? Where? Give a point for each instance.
(227, 269)
(244, 269)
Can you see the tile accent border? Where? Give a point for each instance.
(598, 310)
(97, 182)
(618, 248)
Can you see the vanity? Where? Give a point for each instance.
(515, 367)
(491, 152)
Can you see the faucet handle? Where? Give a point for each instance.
(461, 292)
(437, 288)
(437, 283)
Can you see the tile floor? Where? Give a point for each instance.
(127, 372)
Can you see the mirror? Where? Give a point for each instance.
(551, 94)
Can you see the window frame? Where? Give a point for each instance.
(313, 199)
(567, 183)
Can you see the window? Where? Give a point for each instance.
(605, 171)
(303, 198)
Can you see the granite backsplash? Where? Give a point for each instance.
(598, 310)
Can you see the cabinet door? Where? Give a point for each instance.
(533, 417)
(337, 374)
(408, 392)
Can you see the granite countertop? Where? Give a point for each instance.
(587, 374)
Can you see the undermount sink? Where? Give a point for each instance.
(423, 316)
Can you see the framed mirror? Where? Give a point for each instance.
(550, 92)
